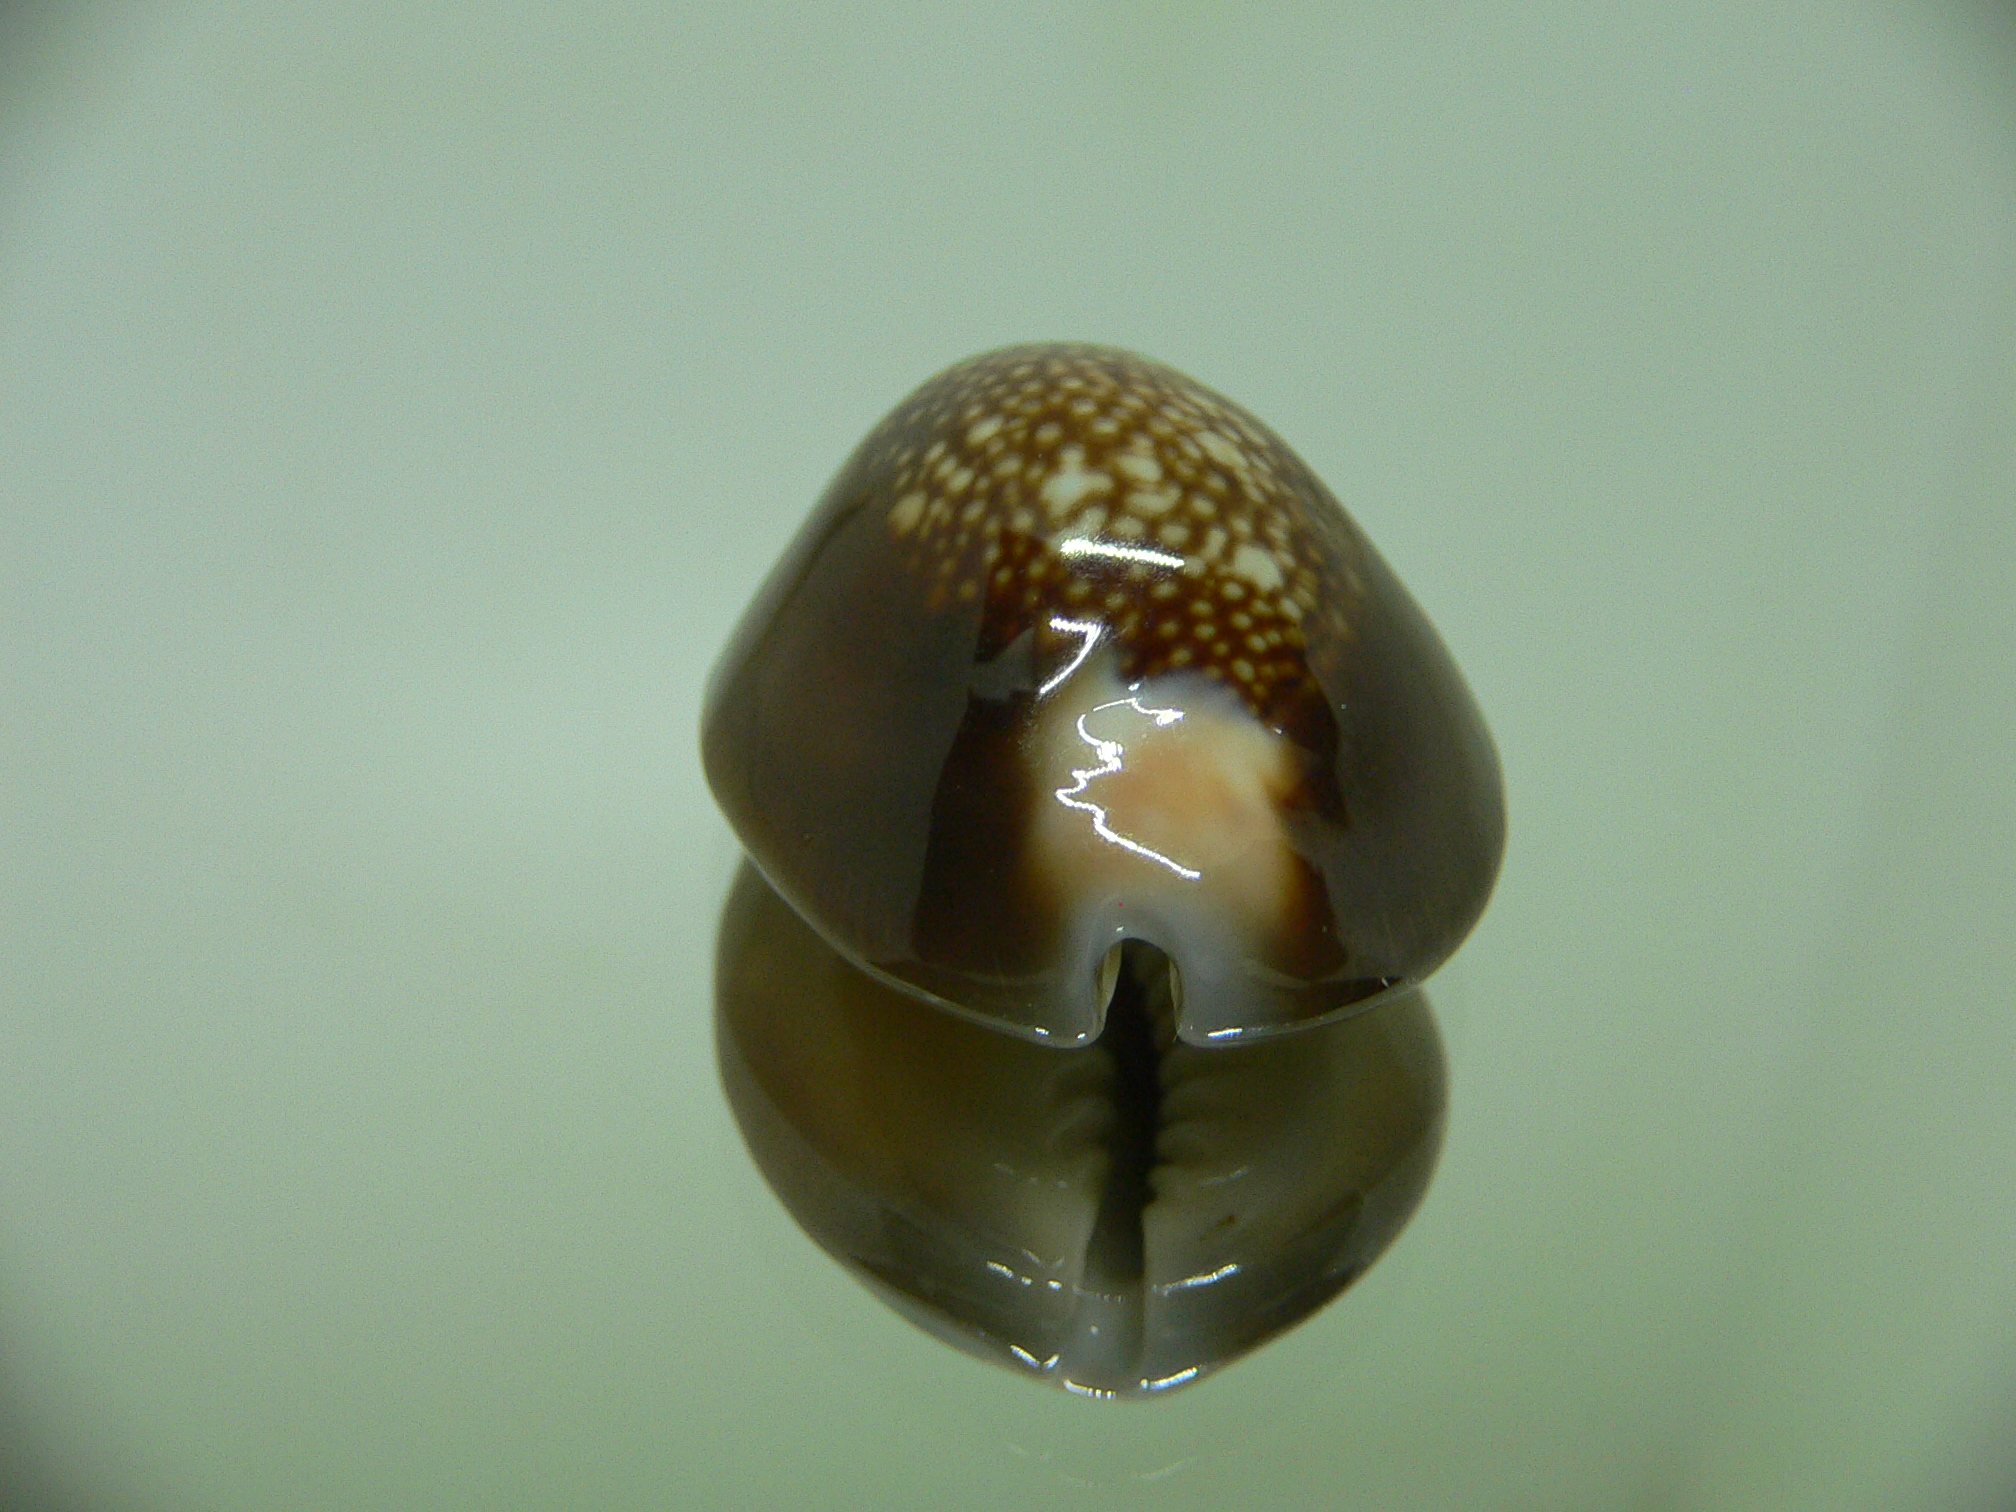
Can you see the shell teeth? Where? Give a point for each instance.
(1109, 978)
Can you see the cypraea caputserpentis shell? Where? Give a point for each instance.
(1108, 800)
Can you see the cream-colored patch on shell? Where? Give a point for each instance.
(1071, 482)
(1171, 803)
(906, 512)
(1221, 451)
(1258, 567)
(1139, 466)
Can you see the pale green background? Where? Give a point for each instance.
(398, 401)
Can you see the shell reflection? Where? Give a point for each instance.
(1118, 1219)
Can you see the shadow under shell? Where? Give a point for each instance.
(1119, 1219)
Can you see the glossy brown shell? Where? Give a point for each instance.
(1050, 523)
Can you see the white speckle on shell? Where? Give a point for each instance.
(1071, 482)
(1139, 466)
(906, 512)
(1220, 450)
(1258, 567)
